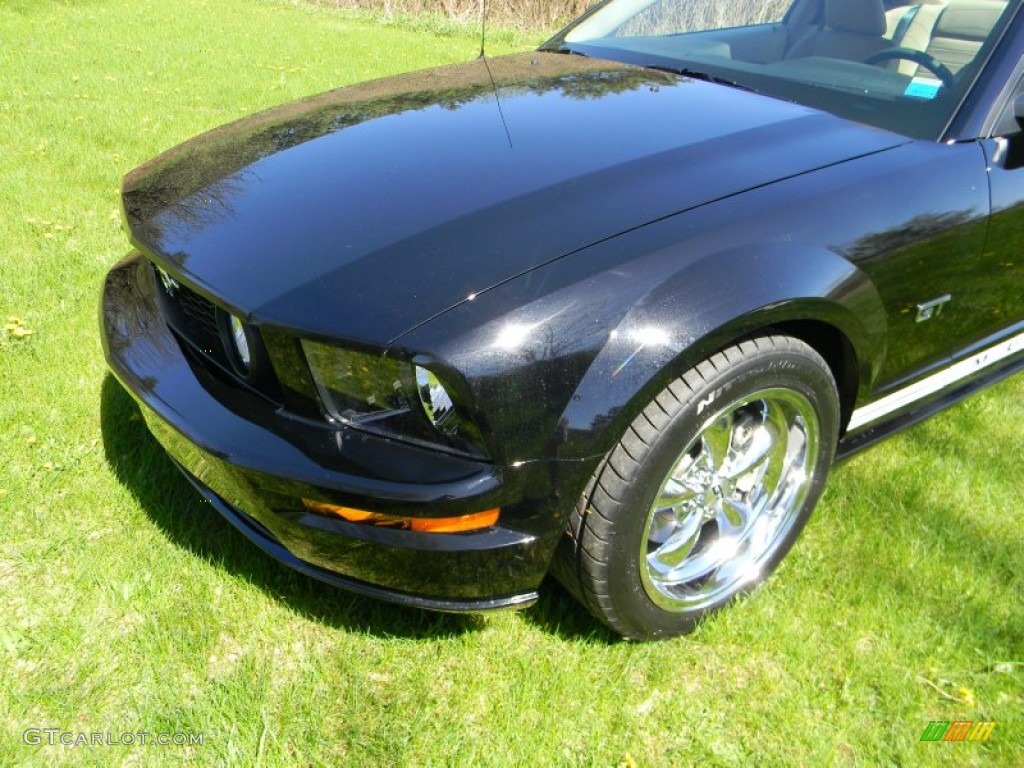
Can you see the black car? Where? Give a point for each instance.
(610, 309)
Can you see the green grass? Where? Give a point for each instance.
(127, 605)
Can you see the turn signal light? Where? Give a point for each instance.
(459, 524)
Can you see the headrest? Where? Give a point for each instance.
(969, 19)
(861, 17)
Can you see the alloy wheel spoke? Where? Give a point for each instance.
(773, 474)
(678, 546)
(692, 568)
(734, 517)
(758, 449)
(780, 464)
(673, 495)
(694, 471)
(717, 439)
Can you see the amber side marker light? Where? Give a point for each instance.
(472, 522)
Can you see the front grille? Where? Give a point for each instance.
(192, 317)
(199, 313)
(197, 322)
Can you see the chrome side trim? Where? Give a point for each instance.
(937, 382)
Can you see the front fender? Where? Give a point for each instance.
(557, 362)
(706, 306)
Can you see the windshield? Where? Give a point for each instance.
(899, 66)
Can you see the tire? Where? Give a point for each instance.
(706, 490)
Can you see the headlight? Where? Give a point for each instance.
(392, 397)
(436, 401)
(353, 385)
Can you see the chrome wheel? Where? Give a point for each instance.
(729, 501)
(707, 489)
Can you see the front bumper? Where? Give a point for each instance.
(255, 463)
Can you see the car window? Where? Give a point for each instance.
(673, 17)
(902, 67)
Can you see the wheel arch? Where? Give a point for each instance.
(834, 308)
(837, 351)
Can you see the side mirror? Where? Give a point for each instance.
(1010, 129)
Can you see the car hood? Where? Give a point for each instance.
(365, 211)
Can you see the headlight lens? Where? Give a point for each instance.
(392, 397)
(434, 398)
(354, 384)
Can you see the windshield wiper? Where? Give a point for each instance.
(698, 74)
(564, 48)
(647, 60)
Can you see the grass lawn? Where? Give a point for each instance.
(128, 606)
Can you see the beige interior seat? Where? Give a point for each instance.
(911, 26)
(853, 30)
(950, 31)
(961, 30)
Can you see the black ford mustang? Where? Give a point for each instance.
(610, 309)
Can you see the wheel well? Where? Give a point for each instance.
(828, 341)
(838, 353)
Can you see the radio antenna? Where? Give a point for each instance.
(483, 26)
(483, 57)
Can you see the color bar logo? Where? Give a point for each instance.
(958, 730)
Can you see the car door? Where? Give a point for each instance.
(955, 286)
(999, 282)
(933, 200)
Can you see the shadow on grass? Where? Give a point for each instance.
(142, 466)
(558, 613)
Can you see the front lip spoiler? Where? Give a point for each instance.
(265, 540)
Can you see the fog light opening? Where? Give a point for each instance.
(238, 343)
